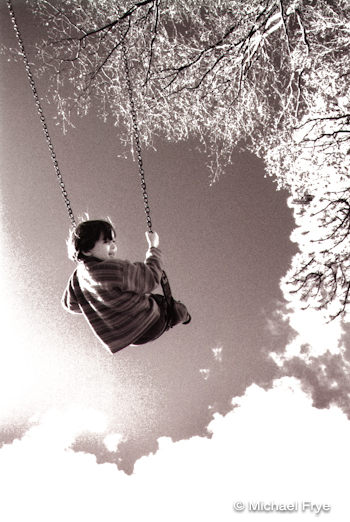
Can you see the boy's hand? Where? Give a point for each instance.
(152, 239)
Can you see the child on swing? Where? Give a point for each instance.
(115, 295)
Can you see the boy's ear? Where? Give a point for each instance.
(86, 253)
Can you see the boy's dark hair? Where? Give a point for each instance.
(84, 236)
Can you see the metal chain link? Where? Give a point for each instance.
(137, 139)
(41, 115)
(164, 279)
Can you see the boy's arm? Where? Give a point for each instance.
(144, 277)
(139, 278)
(69, 301)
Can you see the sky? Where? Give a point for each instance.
(227, 409)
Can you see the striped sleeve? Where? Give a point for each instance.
(143, 278)
(139, 278)
(69, 300)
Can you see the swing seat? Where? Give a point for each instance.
(176, 311)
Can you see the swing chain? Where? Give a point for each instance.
(136, 137)
(41, 114)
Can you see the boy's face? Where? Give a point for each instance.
(103, 249)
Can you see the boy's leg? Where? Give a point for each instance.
(158, 328)
(178, 314)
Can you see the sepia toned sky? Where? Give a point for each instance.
(144, 413)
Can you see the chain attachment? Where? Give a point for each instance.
(41, 115)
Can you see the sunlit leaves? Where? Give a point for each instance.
(270, 76)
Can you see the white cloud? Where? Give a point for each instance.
(310, 329)
(273, 446)
(316, 355)
(112, 441)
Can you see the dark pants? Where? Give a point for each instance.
(169, 317)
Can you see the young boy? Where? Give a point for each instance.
(115, 295)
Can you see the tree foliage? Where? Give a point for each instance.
(320, 272)
(268, 75)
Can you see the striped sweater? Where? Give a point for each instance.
(114, 297)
